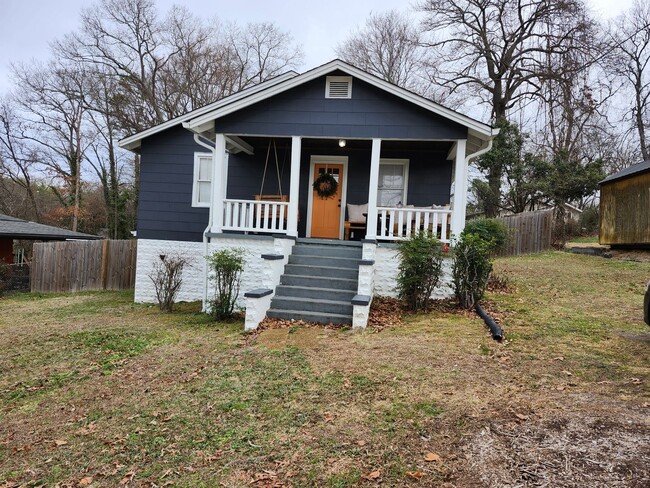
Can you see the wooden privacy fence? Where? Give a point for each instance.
(529, 232)
(59, 267)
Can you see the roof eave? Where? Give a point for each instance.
(133, 142)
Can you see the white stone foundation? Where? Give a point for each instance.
(386, 268)
(256, 309)
(193, 285)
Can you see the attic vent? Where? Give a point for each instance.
(338, 87)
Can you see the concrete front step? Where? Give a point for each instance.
(311, 241)
(319, 282)
(333, 251)
(320, 318)
(311, 305)
(314, 293)
(332, 272)
(329, 261)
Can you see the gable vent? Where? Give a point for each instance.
(338, 87)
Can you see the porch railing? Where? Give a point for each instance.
(255, 216)
(399, 223)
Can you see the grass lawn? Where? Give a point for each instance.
(97, 391)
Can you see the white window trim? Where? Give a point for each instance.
(405, 164)
(195, 182)
(329, 79)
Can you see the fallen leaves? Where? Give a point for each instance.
(385, 312)
(372, 476)
(416, 475)
(128, 477)
(85, 481)
(60, 443)
(431, 457)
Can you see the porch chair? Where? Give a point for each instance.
(357, 217)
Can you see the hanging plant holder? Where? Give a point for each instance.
(325, 185)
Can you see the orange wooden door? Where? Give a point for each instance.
(326, 212)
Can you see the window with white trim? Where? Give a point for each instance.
(338, 87)
(202, 190)
(393, 182)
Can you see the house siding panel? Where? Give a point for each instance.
(165, 209)
(370, 112)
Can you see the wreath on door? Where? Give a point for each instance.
(325, 185)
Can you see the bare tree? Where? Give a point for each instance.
(108, 161)
(388, 46)
(261, 51)
(496, 50)
(52, 100)
(18, 158)
(124, 38)
(629, 60)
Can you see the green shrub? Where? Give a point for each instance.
(490, 230)
(420, 268)
(471, 268)
(226, 267)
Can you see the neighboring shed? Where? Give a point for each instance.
(625, 207)
(12, 228)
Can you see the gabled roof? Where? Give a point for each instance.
(629, 171)
(133, 142)
(24, 229)
(478, 128)
(198, 119)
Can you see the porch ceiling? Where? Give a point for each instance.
(353, 144)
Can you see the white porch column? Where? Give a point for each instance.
(294, 182)
(459, 207)
(371, 225)
(219, 171)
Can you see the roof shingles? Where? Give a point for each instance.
(23, 229)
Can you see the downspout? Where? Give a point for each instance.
(480, 152)
(211, 147)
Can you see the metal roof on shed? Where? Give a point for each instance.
(24, 229)
(629, 171)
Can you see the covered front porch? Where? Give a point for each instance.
(387, 189)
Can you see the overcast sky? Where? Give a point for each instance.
(27, 27)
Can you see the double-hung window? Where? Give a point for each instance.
(393, 182)
(202, 191)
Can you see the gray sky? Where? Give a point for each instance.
(27, 27)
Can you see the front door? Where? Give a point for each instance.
(326, 212)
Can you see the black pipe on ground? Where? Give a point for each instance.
(495, 330)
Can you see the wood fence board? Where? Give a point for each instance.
(83, 265)
(528, 232)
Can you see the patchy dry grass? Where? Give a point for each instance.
(97, 390)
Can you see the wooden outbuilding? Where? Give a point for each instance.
(625, 207)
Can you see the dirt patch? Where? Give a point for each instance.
(637, 255)
(572, 451)
(641, 337)
(301, 337)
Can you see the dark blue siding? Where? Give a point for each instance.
(166, 176)
(371, 112)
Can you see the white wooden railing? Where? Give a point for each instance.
(255, 216)
(399, 223)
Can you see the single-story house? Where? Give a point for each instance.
(625, 207)
(12, 228)
(316, 175)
